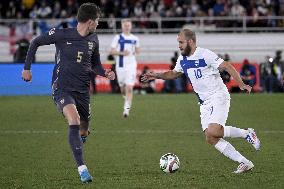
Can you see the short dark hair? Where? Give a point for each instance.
(125, 20)
(188, 34)
(88, 11)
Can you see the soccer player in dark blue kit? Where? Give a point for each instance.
(77, 58)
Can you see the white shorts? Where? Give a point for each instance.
(126, 77)
(215, 109)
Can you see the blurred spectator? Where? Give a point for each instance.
(238, 11)
(28, 3)
(126, 8)
(154, 8)
(71, 8)
(177, 85)
(113, 83)
(248, 73)
(226, 77)
(145, 87)
(278, 70)
(44, 11)
(267, 78)
(56, 11)
(21, 51)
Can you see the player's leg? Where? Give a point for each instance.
(220, 111)
(128, 100)
(130, 79)
(120, 74)
(213, 117)
(123, 91)
(71, 114)
(248, 134)
(84, 109)
(84, 130)
(214, 134)
(121, 79)
(66, 104)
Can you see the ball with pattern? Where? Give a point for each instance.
(169, 163)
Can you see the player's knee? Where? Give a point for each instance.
(210, 135)
(214, 130)
(74, 120)
(129, 89)
(211, 140)
(209, 132)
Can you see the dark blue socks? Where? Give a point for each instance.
(76, 144)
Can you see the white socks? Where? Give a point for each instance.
(127, 104)
(229, 151)
(81, 168)
(234, 132)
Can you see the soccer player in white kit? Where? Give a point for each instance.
(202, 67)
(125, 46)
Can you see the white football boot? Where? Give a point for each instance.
(252, 139)
(244, 167)
(126, 112)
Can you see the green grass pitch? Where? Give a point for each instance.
(125, 153)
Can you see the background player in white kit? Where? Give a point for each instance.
(202, 67)
(125, 46)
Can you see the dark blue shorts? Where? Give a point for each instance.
(80, 100)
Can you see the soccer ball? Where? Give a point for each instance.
(169, 163)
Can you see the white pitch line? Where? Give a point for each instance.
(124, 132)
(29, 132)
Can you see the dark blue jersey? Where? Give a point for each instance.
(76, 58)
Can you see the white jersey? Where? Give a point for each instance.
(202, 70)
(129, 43)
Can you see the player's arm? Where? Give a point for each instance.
(98, 68)
(114, 45)
(137, 50)
(137, 46)
(233, 72)
(115, 52)
(43, 39)
(171, 74)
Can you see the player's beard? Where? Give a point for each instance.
(91, 31)
(186, 51)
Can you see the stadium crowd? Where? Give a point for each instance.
(143, 8)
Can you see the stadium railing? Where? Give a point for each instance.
(167, 24)
(11, 30)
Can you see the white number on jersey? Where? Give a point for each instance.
(51, 32)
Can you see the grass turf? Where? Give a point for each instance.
(125, 153)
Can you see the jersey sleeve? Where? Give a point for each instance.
(44, 39)
(96, 61)
(178, 67)
(114, 42)
(212, 59)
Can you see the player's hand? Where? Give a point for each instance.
(27, 75)
(246, 88)
(110, 74)
(125, 53)
(148, 76)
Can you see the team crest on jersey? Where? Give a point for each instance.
(91, 45)
(62, 101)
(196, 63)
(51, 31)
